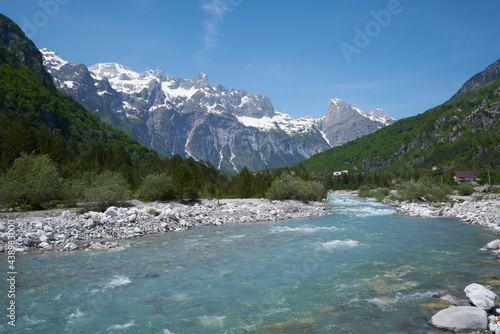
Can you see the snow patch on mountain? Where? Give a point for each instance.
(280, 121)
(229, 127)
(52, 61)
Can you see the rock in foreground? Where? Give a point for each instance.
(481, 296)
(460, 318)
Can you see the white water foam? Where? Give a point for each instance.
(166, 331)
(77, 314)
(117, 281)
(212, 321)
(33, 321)
(368, 211)
(353, 206)
(303, 228)
(388, 302)
(329, 245)
(124, 326)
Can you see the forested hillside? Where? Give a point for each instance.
(463, 133)
(51, 148)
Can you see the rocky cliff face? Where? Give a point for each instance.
(344, 122)
(228, 127)
(491, 73)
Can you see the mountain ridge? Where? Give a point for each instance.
(491, 73)
(182, 116)
(35, 118)
(463, 132)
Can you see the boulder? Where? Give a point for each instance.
(46, 246)
(70, 246)
(31, 239)
(495, 244)
(42, 235)
(112, 211)
(66, 215)
(460, 318)
(450, 299)
(481, 296)
(96, 245)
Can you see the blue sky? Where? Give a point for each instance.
(402, 56)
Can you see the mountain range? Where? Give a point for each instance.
(228, 127)
(462, 133)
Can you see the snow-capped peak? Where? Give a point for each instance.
(378, 115)
(52, 60)
(280, 121)
(111, 71)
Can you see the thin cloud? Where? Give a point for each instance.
(216, 10)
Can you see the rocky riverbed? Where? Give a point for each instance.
(480, 209)
(479, 313)
(68, 230)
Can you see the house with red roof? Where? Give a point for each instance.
(464, 176)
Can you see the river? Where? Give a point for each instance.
(362, 269)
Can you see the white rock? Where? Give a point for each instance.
(495, 244)
(111, 211)
(70, 246)
(46, 245)
(66, 215)
(460, 318)
(42, 235)
(481, 296)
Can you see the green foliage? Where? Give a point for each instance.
(32, 178)
(423, 189)
(465, 189)
(291, 187)
(278, 131)
(156, 187)
(244, 184)
(367, 191)
(463, 133)
(108, 187)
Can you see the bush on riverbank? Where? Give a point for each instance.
(291, 187)
(31, 179)
(379, 194)
(423, 190)
(156, 187)
(465, 189)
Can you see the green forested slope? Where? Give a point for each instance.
(461, 133)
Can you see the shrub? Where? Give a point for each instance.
(365, 191)
(290, 187)
(419, 190)
(378, 194)
(108, 187)
(465, 189)
(74, 189)
(156, 187)
(31, 179)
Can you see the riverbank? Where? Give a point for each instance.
(482, 209)
(66, 230)
(478, 209)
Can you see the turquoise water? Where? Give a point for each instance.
(363, 269)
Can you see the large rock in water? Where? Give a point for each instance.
(460, 318)
(481, 296)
